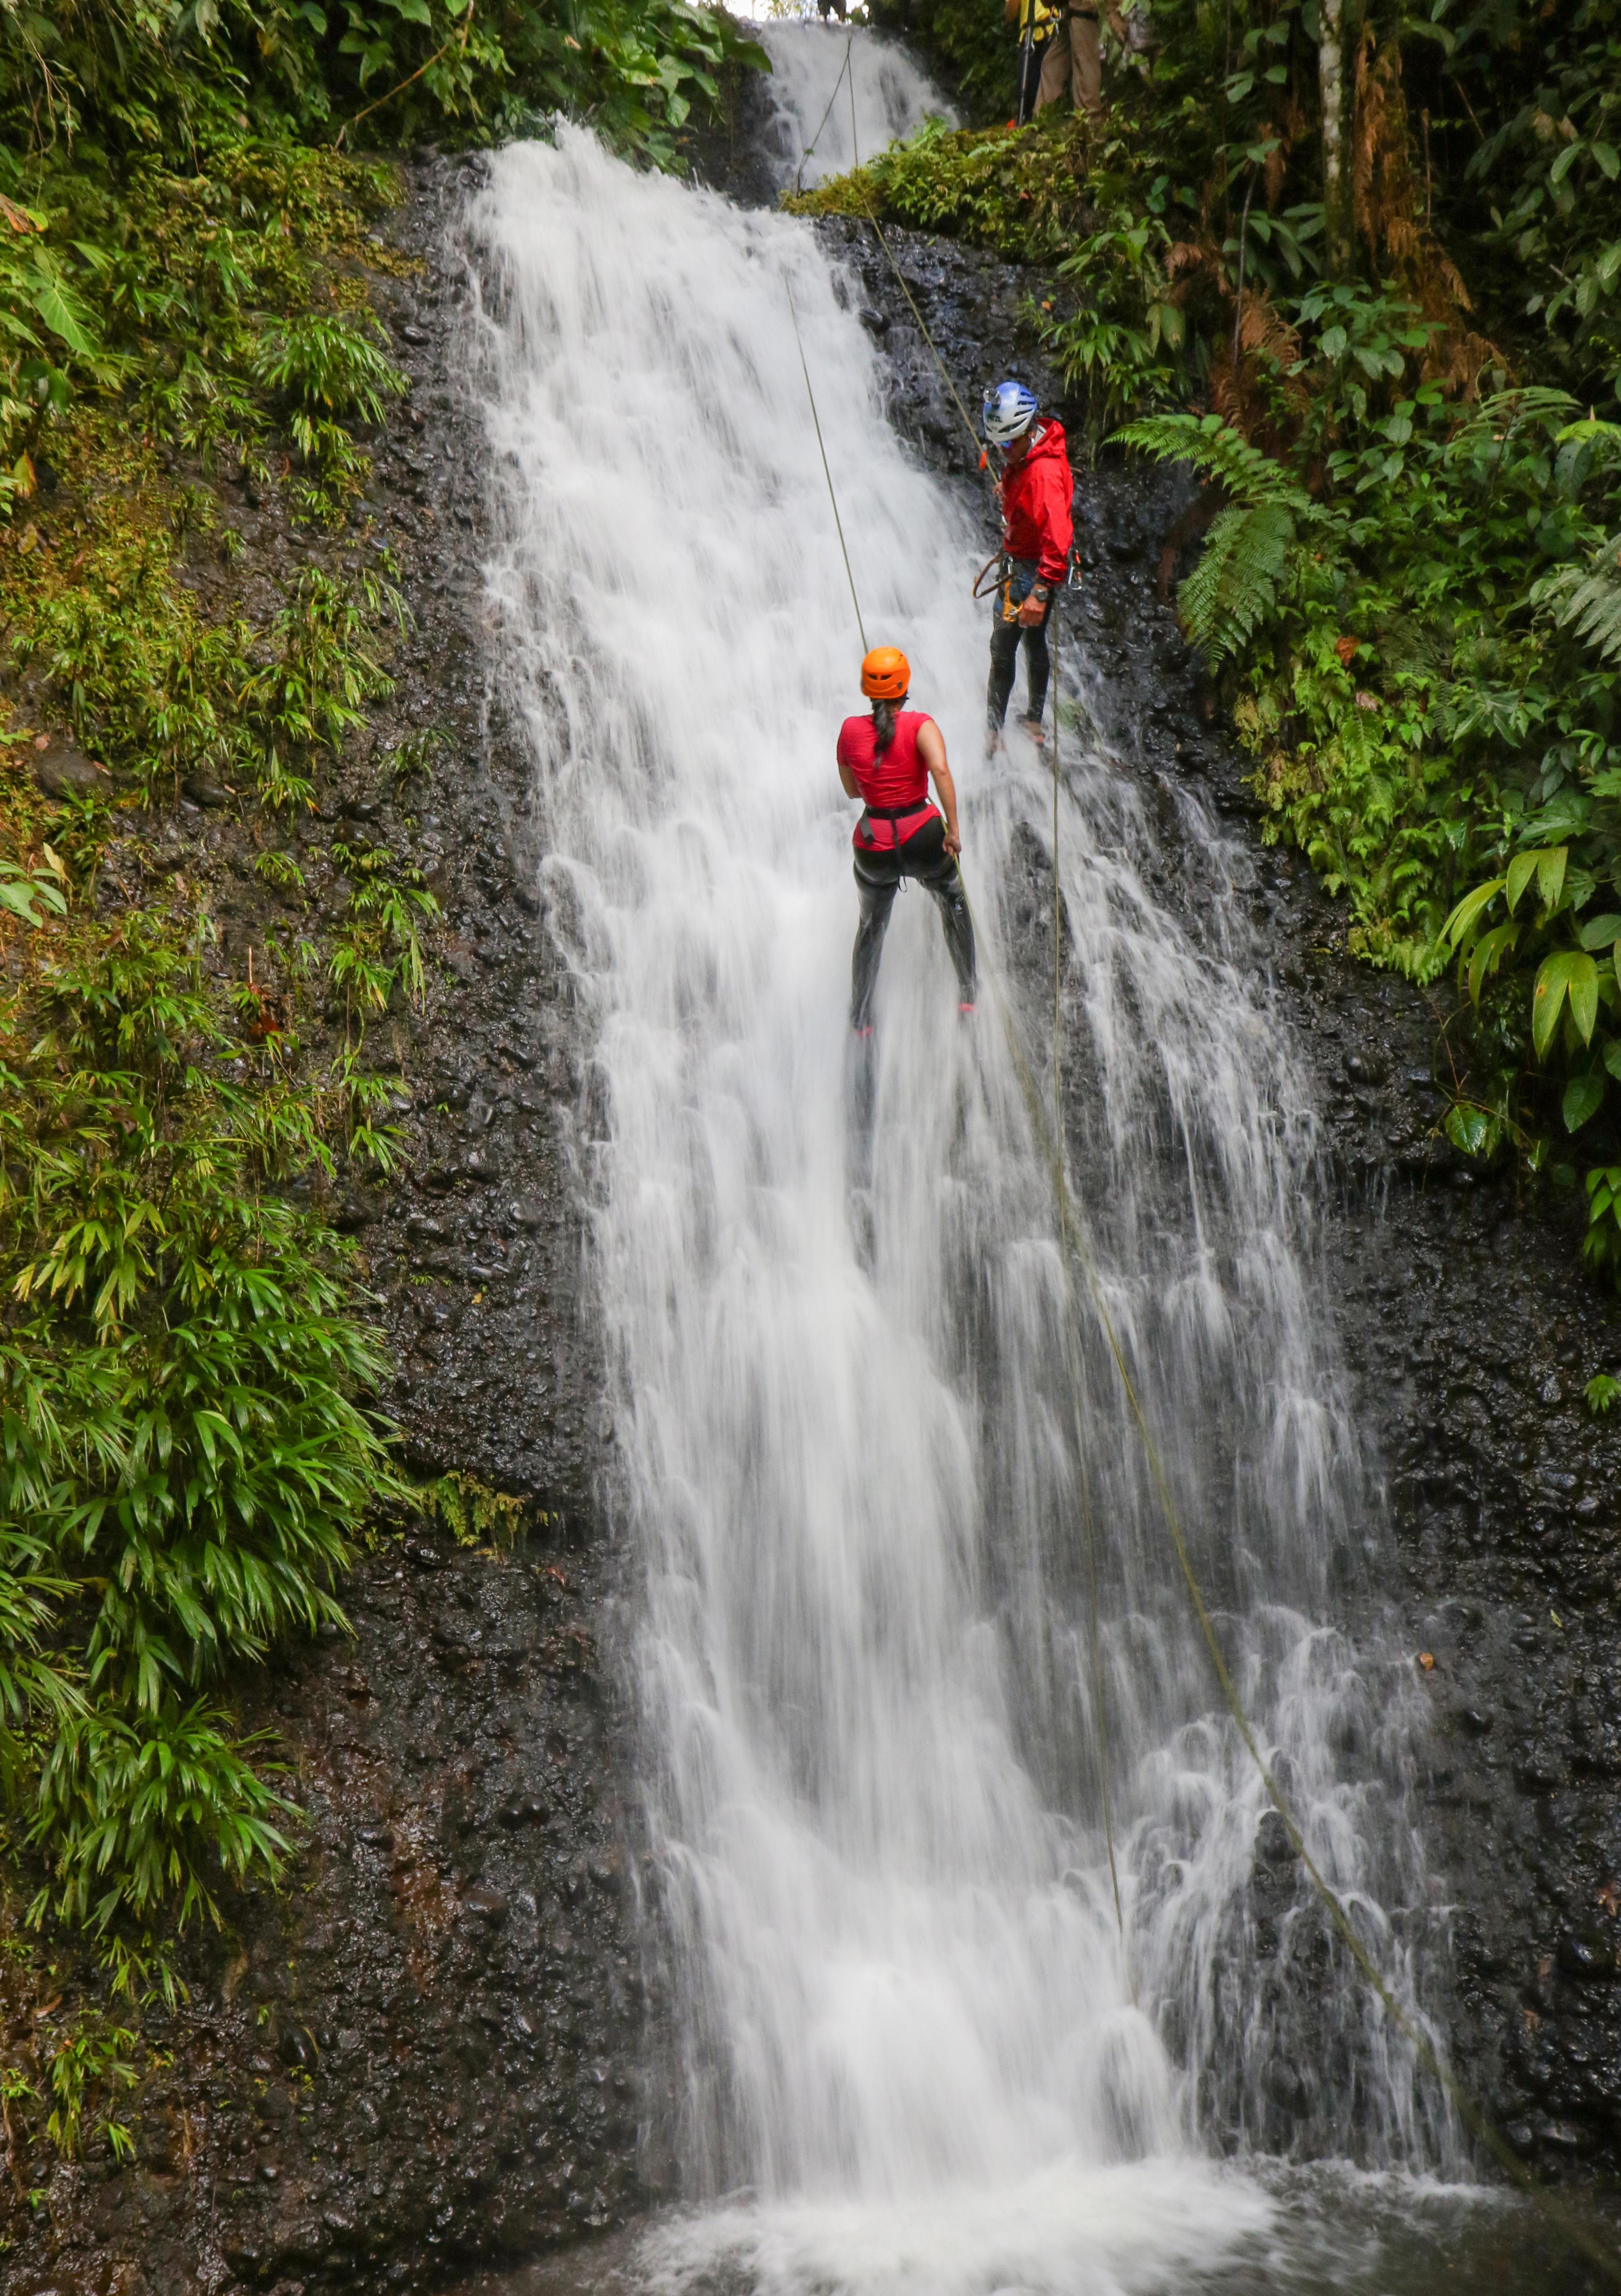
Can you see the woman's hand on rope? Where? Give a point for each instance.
(1031, 612)
(952, 843)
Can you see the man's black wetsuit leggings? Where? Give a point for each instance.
(1005, 635)
(878, 878)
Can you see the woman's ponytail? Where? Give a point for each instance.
(884, 724)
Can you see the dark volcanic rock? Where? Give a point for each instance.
(62, 771)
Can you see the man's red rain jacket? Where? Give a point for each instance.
(1035, 498)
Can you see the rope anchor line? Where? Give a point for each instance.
(826, 473)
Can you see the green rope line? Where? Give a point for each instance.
(945, 372)
(832, 99)
(826, 473)
(1100, 1695)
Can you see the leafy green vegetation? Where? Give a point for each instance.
(190, 1446)
(473, 1513)
(1364, 279)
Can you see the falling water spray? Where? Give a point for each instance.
(852, 1489)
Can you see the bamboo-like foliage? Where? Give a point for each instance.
(185, 1456)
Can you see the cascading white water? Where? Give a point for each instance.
(812, 67)
(858, 1481)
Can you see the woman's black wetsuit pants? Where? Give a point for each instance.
(878, 878)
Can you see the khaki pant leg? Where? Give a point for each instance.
(1054, 66)
(1086, 56)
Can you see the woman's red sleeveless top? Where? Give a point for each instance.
(895, 786)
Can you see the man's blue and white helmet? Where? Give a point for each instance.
(1008, 412)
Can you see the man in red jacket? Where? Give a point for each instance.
(1038, 528)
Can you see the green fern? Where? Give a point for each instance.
(1235, 583)
(1234, 586)
(1587, 600)
(1220, 452)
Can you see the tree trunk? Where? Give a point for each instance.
(1336, 187)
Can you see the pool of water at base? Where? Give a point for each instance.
(1315, 2232)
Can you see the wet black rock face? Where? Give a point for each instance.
(424, 2056)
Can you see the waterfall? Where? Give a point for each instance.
(813, 67)
(867, 1444)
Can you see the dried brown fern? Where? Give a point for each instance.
(1387, 207)
(1286, 130)
(1262, 393)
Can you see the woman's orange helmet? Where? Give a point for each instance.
(886, 675)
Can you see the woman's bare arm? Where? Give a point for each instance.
(931, 748)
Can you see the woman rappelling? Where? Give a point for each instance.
(887, 760)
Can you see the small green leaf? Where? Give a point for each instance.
(1608, 159)
(1489, 952)
(1550, 875)
(1584, 1098)
(1599, 1393)
(1568, 972)
(60, 316)
(1522, 868)
(1468, 909)
(1599, 933)
(1470, 1129)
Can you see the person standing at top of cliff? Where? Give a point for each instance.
(1036, 21)
(1035, 491)
(1076, 50)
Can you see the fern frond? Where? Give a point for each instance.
(1235, 581)
(1496, 418)
(1587, 600)
(1221, 452)
(1354, 727)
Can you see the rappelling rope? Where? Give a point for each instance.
(832, 99)
(1099, 1692)
(826, 473)
(945, 372)
(1072, 1237)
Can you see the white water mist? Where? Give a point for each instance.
(858, 1485)
(816, 131)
